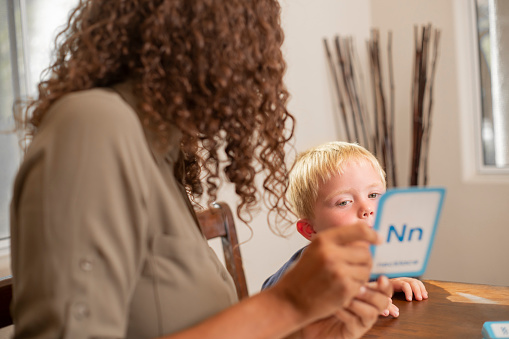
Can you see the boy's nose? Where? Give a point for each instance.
(367, 212)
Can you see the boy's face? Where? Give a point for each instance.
(348, 198)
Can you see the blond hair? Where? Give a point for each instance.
(319, 164)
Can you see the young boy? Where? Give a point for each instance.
(334, 185)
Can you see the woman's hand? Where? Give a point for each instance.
(391, 310)
(330, 274)
(324, 295)
(355, 320)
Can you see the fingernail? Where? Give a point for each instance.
(385, 313)
(362, 290)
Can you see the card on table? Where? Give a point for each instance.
(495, 329)
(406, 220)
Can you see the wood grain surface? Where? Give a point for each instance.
(453, 310)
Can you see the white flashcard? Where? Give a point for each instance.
(407, 221)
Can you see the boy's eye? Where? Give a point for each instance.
(374, 195)
(342, 203)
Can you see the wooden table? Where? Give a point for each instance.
(453, 310)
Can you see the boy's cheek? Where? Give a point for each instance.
(341, 223)
(333, 220)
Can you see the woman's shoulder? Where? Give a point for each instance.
(92, 119)
(99, 108)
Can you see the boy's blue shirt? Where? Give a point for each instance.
(276, 276)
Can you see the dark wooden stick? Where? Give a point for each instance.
(417, 115)
(374, 81)
(427, 131)
(362, 100)
(422, 92)
(349, 85)
(376, 137)
(344, 69)
(363, 133)
(413, 175)
(392, 157)
(382, 104)
(338, 90)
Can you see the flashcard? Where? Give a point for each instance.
(406, 220)
(495, 329)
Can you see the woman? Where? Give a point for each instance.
(142, 99)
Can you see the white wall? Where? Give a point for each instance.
(472, 236)
(471, 244)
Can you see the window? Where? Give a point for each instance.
(9, 152)
(493, 42)
(27, 33)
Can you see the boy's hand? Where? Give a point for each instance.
(411, 287)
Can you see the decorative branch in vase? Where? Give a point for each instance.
(375, 130)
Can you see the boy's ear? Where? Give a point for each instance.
(305, 228)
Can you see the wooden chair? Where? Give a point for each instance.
(5, 301)
(218, 221)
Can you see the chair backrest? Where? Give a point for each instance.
(5, 301)
(218, 221)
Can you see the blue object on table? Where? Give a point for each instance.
(495, 329)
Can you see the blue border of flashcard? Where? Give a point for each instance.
(487, 329)
(397, 191)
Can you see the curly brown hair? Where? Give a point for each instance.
(212, 68)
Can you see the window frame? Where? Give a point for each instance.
(17, 12)
(469, 97)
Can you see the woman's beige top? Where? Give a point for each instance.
(104, 244)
